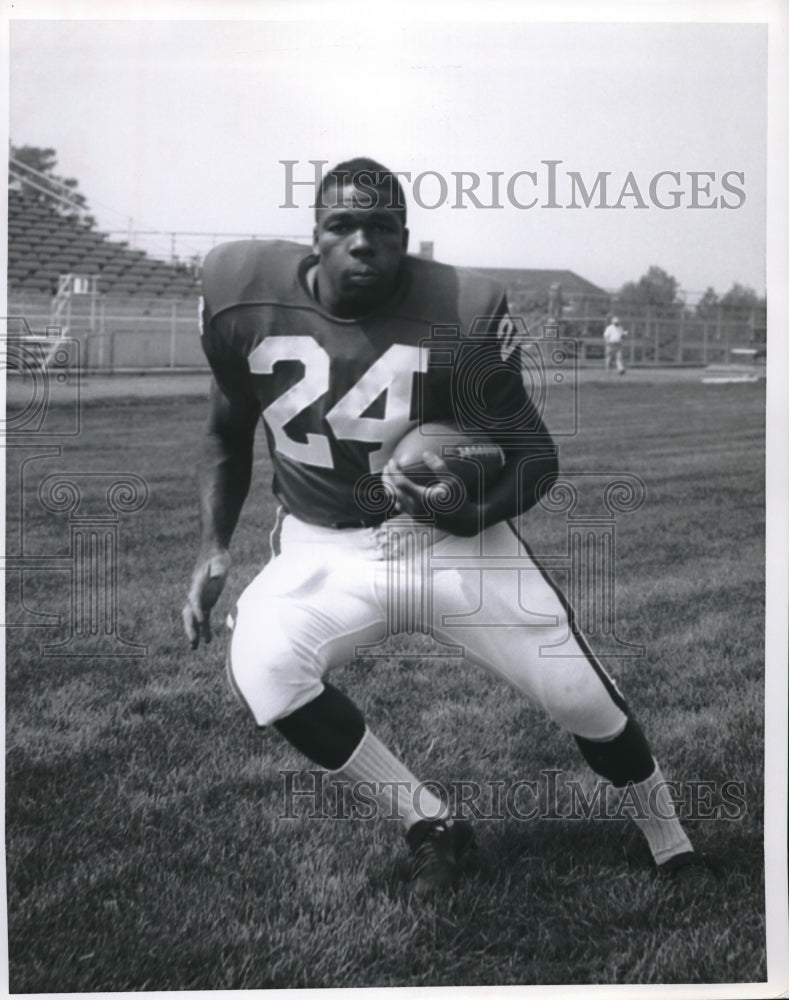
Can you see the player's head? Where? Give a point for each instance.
(360, 236)
(375, 183)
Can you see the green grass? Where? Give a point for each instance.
(144, 848)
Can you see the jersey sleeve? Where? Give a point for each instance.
(228, 362)
(489, 391)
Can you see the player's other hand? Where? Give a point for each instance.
(208, 579)
(464, 518)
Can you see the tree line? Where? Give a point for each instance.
(31, 172)
(660, 293)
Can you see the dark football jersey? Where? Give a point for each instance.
(336, 395)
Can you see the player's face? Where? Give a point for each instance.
(361, 243)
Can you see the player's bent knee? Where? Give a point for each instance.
(269, 676)
(578, 701)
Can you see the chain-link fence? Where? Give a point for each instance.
(679, 339)
(122, 333)
(128, 333)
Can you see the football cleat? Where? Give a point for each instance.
(691, 871)
(439, 847)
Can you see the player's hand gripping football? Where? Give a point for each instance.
(460, 519)
(208, 579)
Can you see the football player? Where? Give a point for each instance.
(342, 350)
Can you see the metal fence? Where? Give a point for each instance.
(128, 333)
(678, 341)
(123, 333)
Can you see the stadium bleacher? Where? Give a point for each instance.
(43, 244)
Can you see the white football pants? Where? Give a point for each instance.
(331, 595)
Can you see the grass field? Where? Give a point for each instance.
(144, 845)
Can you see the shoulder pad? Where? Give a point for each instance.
(447, 293)
(249, 271)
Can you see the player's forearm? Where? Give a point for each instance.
(225, 475)
(526, 477)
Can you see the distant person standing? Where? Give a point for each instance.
(613, 336)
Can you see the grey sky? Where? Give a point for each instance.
(181, 126)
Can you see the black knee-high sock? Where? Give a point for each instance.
(625, 758)
(327, 729)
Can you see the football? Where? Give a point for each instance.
(473, 460)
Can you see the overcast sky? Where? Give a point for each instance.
(182, 126)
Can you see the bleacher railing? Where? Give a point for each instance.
(190, 246)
